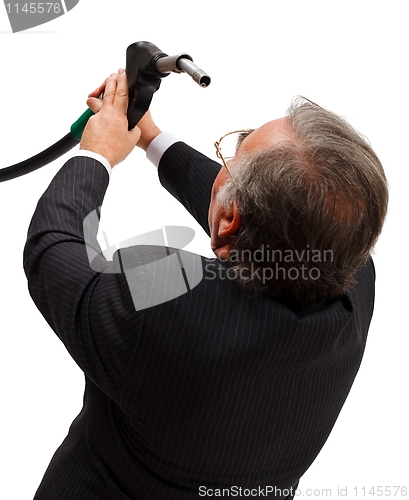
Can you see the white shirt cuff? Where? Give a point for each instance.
(158, 146)
(95, 156)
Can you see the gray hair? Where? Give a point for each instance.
(322, 194)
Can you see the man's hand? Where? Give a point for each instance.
(106, 133)
(146, 125)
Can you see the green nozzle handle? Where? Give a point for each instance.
(77, 128)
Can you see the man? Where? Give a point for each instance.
(233, 387)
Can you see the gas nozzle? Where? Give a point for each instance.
(183, 63)
(146, 65)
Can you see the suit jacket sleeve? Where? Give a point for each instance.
(189, 175)
(92, 313)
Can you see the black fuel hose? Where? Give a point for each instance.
(50, 154)
(47, 156)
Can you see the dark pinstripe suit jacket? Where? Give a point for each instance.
(212, 389)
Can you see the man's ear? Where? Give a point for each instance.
(230, 223)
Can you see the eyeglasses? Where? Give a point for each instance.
(231, 143)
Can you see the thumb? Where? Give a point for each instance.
(94, 104)
(135, 133)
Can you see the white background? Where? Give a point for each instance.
(350, 57)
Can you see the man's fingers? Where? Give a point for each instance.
(121, 97)
(115, 89)
(99, 90)
(110, 89)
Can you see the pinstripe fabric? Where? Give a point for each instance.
(210, 389)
